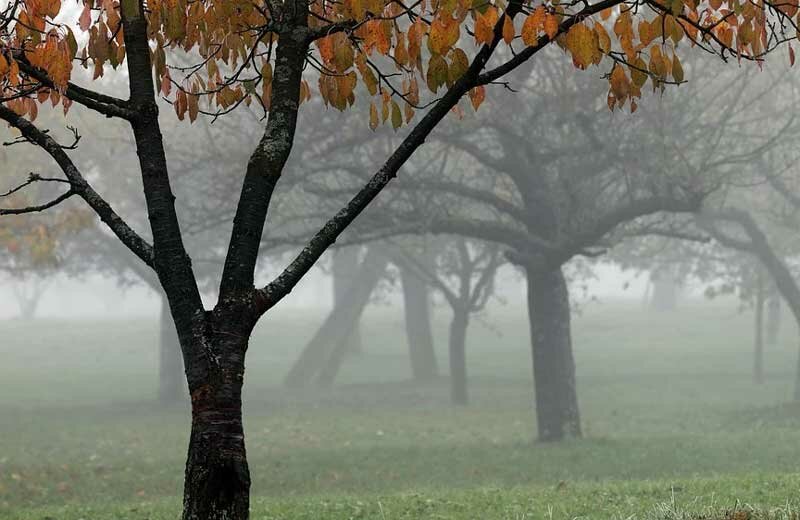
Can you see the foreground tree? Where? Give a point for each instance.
(256, 52)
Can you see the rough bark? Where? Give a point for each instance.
(333, 330)
(424, 366)
(217, 477)
(553, 364)
(758, 343)
(458, 358)
(345, 272)
(170, 366)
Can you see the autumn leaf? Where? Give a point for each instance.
(620, 85)
(508, 30)
(677, 68)
(437, 73)
(551, 25)
(444, 33)
(603, 39)
(582, 43)
(85, 20)
(373, 116)
(459, 63)
(533, 24)
(484, 26)
(476, 96)
(397, 116)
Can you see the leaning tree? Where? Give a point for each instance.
(548, 185)
(257, 52)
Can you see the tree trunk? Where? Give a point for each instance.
(217, 478)
(797, 379)
(369, 274)
(170, 367)
(338, 325)
(553, 365)
(418, 326)
(773, 321)
(758, 350)
(665, 291)
(345, 272)
(458, 358)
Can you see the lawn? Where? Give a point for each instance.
(675, 427)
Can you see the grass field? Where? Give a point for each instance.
(675, 427)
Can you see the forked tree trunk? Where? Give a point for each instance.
(553, 365)
(170, 366)
(217, 477)
(338, 325)
(758, 347)
(369, 274)
(458, 358)
(417, 307)
(345, 272)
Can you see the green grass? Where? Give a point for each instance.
(675, 427)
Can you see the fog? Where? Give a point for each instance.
(96, 297)
(573, 295)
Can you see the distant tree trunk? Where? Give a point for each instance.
(170, 366)
(797, 379)
(336, 328)
(773, 322)
(665, 291)
(553, 364)
(28, 308)
(458, 357)
(418, 326)
(758, 350)
(369, 274)
(345, 272)
(29, 292)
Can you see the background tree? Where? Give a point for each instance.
(257, 52)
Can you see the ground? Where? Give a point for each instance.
(675, 427)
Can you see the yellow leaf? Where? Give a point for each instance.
(373, 116)
(437, 73)
(677, 68)
(459, 63)
(603, 40)
(620, 85)
(397, 116)
(581, 43)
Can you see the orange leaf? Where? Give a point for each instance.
(508, 30)
(477, 95)
(444, 34)
(533, 24)
(484, 25)
(85, 21)
(551, 25)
